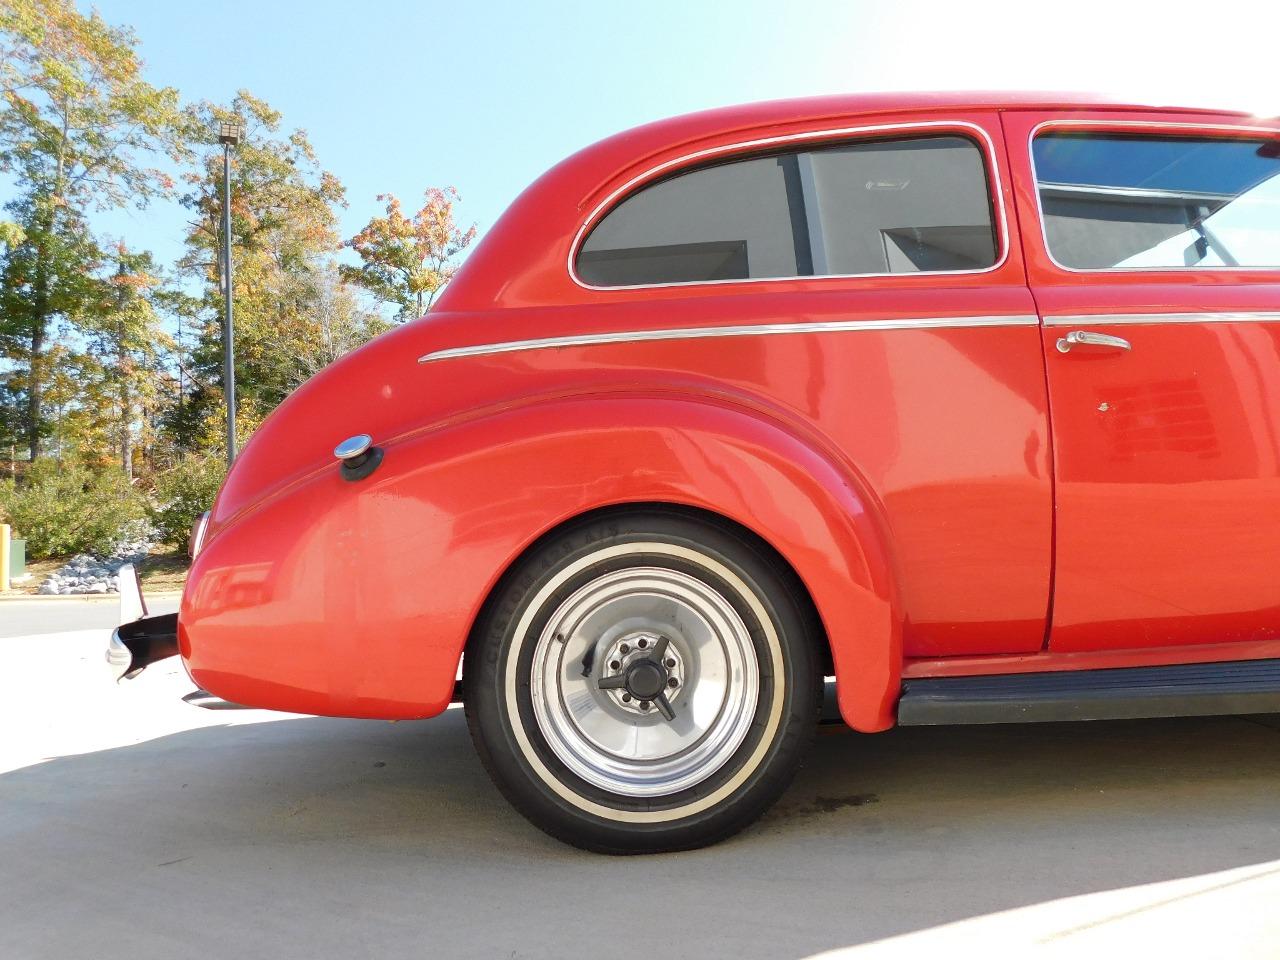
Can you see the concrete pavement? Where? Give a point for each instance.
(25, 616)
(133, 825)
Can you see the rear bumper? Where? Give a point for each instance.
(135, 646)
(119, 658)
(140, 640)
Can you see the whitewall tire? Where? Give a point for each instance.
(644, 682)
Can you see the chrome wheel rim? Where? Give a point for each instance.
(645, 681)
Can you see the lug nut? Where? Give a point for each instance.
(615, 664)
(642, 643)
(673, 682)
(670, 663)
(626, 698)
(644, 704)
(624, 649)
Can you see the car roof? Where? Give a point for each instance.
(801, 109)
(544, 217)
(858, 103)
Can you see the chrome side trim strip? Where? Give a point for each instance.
(747, 330)
(844, 134)
(1112, 319)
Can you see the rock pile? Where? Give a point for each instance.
(88, 574)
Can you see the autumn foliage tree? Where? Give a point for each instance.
(405, 260)
(111, 363)
(126, 340)
(78, 129)
(294, 312)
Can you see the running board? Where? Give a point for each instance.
(1182, 690)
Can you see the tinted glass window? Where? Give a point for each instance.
(902, 206)
(1156, 202)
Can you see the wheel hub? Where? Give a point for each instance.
(644, 681)
(642, 671)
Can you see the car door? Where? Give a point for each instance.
(1153, 252)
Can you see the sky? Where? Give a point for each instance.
(484, 96)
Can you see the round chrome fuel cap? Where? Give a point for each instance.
(353, 447)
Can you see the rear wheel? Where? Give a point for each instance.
(644, 683)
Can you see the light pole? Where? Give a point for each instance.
(230, 133)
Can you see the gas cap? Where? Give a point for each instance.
(353, 447)
(358, 455)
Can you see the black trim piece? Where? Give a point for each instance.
(357, 468)
(150, 639)
(1181, 690)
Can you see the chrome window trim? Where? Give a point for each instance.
(1142, 192)
(994, 186)
(744, 330)
(1084, 126)
(1133, 319)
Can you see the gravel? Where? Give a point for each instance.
(88, 574)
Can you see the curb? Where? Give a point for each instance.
(42, 598)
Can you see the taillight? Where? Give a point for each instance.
(197, 534)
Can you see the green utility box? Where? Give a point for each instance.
(17, 559)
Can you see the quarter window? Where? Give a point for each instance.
(884, 207)
(1134, 202)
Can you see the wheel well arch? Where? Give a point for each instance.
(783, 566)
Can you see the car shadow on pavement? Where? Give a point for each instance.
(321, 837)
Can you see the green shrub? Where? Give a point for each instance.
(183, 493)
(62, 509)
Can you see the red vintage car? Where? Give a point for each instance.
(971, 402)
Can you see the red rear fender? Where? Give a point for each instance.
(357, 598)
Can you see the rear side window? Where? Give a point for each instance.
(884, 207)
(1134, 202)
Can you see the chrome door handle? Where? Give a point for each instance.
(1088, 338)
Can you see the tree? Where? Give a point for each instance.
(79, 425)
(333, 323)
(183, 406)
(48, 274)
(125, 337)
(108, 360)
(284, 235)
(11, 427)
(77, 123)
(406, 260)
